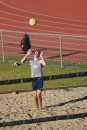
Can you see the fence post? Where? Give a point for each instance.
(2, 38)
(61, 60)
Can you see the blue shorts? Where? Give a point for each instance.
(37, 84)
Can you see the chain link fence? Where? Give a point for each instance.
(59, 47)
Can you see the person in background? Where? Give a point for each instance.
(36, 72)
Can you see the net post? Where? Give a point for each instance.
(2, 38)
(61, 59)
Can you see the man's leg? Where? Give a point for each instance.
(39, 97)
(36, 98)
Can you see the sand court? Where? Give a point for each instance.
(17, 111)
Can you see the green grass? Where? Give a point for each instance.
(7, 71)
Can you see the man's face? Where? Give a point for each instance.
(36, 53)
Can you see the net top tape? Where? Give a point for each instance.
(51, 77)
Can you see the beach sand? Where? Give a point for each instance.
(18, 112)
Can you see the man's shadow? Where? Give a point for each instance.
(71, 101)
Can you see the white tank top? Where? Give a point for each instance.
(36, 68)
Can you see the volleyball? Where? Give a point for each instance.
(32, 21)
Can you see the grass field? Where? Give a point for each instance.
(7, 71)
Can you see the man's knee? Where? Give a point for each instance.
(38, 94)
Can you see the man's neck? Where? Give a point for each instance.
(35, 58)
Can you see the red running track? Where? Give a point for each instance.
(59, 16)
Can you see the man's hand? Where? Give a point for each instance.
(42, 61)
(29, 52)
(41, 55)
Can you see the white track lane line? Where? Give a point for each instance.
(40, 13)
(50, 21)
(23, 10)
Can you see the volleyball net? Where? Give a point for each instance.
(50, 82)
(66, 57)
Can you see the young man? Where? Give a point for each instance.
(36, 71)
